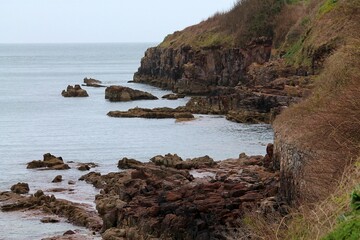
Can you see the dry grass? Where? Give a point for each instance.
(307, 222)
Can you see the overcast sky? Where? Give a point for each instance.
(52, 21)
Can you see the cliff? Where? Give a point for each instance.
(310, 51)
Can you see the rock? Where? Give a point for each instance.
(244, 116)
(83, 167)
(49, 220)
(173, 96)
(20, 188)
(168, 160)
(38, 193)
(268, 159)
(128, 163)
(90, 82)
(200, 162)
(157, 197)
(69, 232)
(158, 113)
(114, 234)
(120, 93)
(71, 182)
(74, 91)
(57, 179)
(175, 161)
(75, 212)
(49, 162)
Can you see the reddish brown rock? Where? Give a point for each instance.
(57, 179)
(158, 113)
(74, 91)
(20, 188)
(164, 201)
(49, 162)
(76, 213)
(120, 93)
(173, 96)
(91, 82)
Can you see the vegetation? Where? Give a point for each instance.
(247, 20)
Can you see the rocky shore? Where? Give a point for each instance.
(165, 198)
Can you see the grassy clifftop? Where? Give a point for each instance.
(248, 19)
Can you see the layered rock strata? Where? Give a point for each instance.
(197, 71)
(241, 83)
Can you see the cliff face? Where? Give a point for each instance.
(198, 71)
(319, 53)
(236, 81)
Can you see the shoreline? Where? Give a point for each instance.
(245, 178)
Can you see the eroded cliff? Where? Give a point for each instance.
(307, 50)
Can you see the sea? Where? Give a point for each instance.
(35, 119)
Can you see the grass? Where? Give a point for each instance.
(334, 218)
(327, 6)
(247, 20)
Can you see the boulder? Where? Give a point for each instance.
(74, 91)
(128, 163)
(84, 167)
(57, 179)
(168, 160)
(49, 220)
(120, 94)
(49, 162)
(173, 96)
(90, 82)
(20, 188)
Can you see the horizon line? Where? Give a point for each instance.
(124, 42)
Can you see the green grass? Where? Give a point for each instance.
(348, 227)
(328, 6)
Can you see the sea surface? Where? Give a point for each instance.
(35, 119)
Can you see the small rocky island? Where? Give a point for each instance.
(74, 91)
(152, 113)
(123, 94)
(91, 82)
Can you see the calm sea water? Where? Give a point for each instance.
(36, 119)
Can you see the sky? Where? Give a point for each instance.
(71, 21)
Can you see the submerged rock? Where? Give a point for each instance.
(120, 93)
(75, 91)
